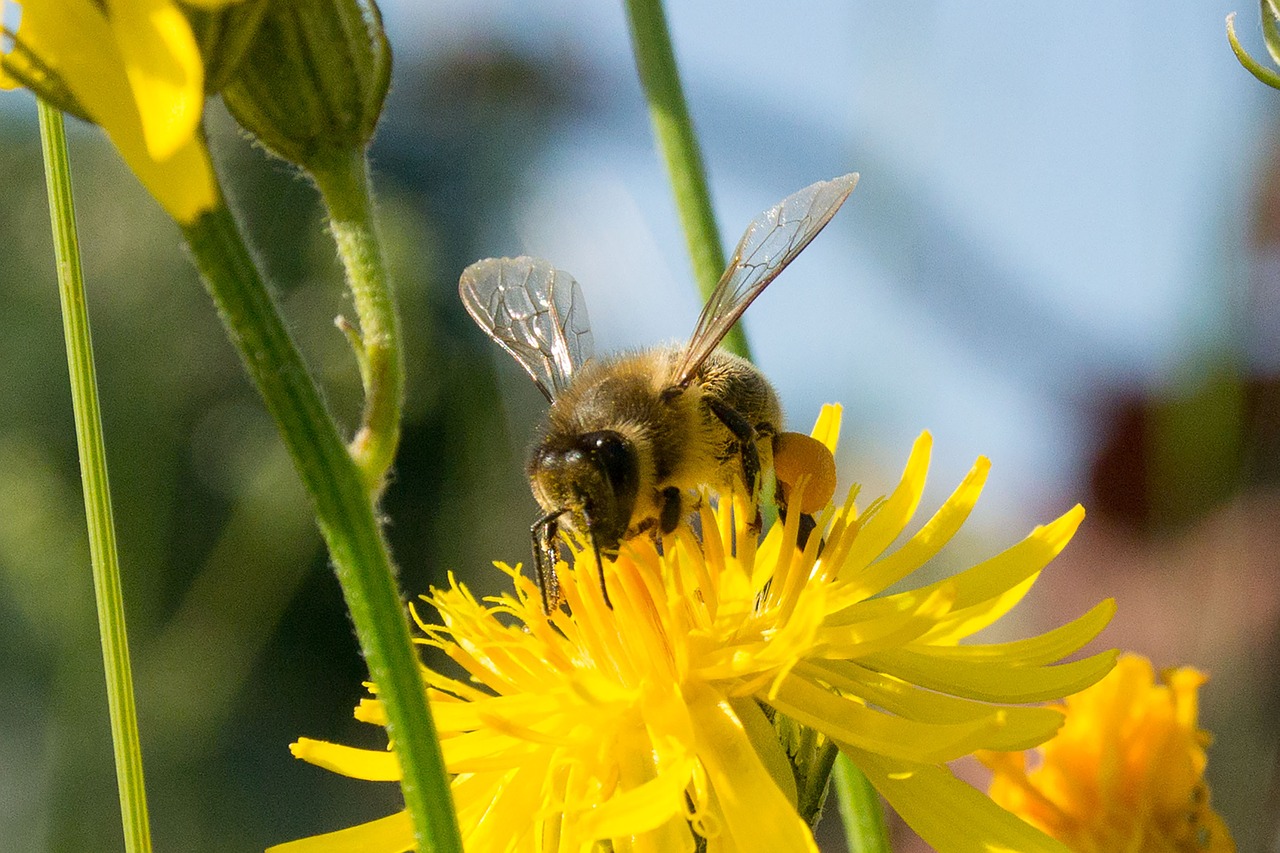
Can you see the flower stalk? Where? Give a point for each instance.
(673, 128)
(1271, 36)
(346, 515)
(103, 554)
(343, 181)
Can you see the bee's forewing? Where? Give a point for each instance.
(770, 242)
(534, 312)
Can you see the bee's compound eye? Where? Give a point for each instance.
(603, 441)
(615, 456)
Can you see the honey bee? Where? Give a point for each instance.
(627, 437)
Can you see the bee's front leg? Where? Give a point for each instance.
(545, 554)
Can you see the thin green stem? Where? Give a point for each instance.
(1257, 69)
(343, 181)
(345, 513)
(860, 809)
(97, 491)
(656, 64)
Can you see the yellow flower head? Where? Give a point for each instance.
(647, 722)
(1126, 773)
(134, 68)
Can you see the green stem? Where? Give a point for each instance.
(860, 809)
(656, 64)
(97, 492)
(343, 181)
(346, 516)
(1257, 69)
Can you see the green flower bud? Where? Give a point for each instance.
(224, 34)
(312, 83)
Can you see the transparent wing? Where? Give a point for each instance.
(771, 242)
(533, 311)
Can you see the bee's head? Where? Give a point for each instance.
(593, 477)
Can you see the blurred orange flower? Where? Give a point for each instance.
(1125, 773)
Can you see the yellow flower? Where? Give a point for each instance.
(648, 722)
(1126, 773)
(134, 68)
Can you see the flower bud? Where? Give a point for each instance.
(314, 79)
(224, 34)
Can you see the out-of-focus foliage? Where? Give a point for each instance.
(239, 635)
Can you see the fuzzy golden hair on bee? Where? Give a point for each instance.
(628, 437)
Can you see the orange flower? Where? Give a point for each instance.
(1125, 773)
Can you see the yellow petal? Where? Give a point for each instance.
(88, 58)
(391, 834)
(165, 70)
(473, 794)
(878, 616)
(184, 184)
(756, 812)
(930, 539)
(510, 816)
(846, 720)
(484, 750)
(990, 579)
(966, 621)
(992, 681)
(893, 694)
(883, 623)
(491, 710)
(887, 523)
(369, 764)
(1046, 648)
(77, 53)
(653, 794)
(951, 816)
(827, 427)
(764, 737)
(372, 711)
(1027, 726)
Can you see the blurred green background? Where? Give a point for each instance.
(1057, 256)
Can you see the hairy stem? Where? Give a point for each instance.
(345, 512)
(343, 181)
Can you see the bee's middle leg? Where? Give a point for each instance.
(745, 434)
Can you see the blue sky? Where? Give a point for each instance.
(1050, 207)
